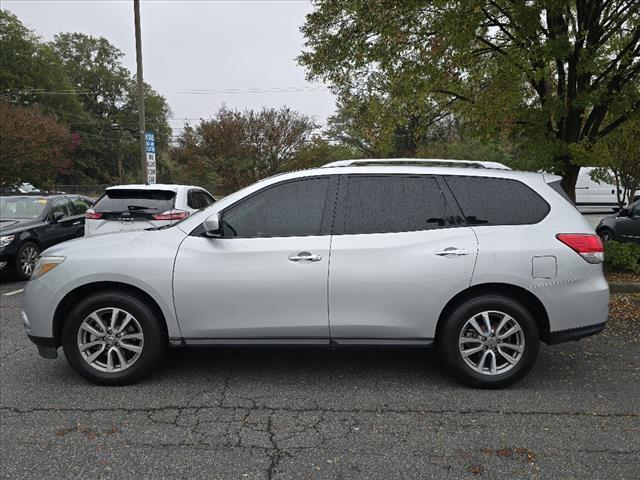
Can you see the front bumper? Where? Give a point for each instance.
(47, 347)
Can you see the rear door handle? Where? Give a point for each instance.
(452, 252)
(76, 223)
(304, 257)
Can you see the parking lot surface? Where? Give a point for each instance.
(300, 413)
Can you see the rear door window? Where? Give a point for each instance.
(131, 200)
(390, 203)
(62, 205)
(497, 201)
(80, 205)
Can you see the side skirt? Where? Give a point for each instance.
(302, 341)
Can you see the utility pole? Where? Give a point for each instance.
(143, 152)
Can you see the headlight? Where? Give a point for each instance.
(46, 264)
(6, 240)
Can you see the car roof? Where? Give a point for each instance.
(154, 186)
(434, 162)
(48, 196)
(419, 169)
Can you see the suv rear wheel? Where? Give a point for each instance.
(489, 341)
(113, 338)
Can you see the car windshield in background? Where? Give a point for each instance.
(123, 200)
(22, 207)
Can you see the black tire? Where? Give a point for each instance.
(606, 235)
(22, 271)
(448, 338)
(153, 348)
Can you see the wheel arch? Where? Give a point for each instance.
(71, 298)
(530, 301)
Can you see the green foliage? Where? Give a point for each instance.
(31, 73)
(622, 256)
(241, 147)
(617, 158)
(80, 80)
(539, 76)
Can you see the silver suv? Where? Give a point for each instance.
(482, 262)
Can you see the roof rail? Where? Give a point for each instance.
(425, 162)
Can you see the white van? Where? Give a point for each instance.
(590, 193)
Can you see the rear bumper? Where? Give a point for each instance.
(573, 334)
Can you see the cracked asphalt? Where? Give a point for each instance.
(314, 413)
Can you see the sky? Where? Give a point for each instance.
(223, 48)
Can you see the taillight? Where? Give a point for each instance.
(92, 215)
(588, 246)
(171, 215)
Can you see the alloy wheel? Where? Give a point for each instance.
(491, 342)
(28, 259)
(110, 340)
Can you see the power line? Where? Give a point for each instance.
(290, 89)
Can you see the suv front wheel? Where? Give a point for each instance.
(113, 338)
(489, 341)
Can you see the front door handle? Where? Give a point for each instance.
(304, 257)
(452, 252)
(76, 223)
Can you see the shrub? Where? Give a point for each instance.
(622, 256)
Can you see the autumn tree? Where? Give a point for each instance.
(543, 75)
(241, 147)
(34, 147)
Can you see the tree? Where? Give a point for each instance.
(241, 147)
(31, 73)
(544, 74)
(319, 152)
(109, 127)
(34, 146)
(617, 158)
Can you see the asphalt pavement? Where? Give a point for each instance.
(316, 413)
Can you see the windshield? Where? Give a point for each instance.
(22, 207)
(131, 200)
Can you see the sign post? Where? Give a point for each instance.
(150, 143)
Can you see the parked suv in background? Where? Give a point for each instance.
(136, 207)
(482, 262)
(32, 223)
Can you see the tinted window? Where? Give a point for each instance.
(80, 205)
(289, 209)
(382, 204)
(62, 205)
(124, 200)
(198, 199)
(557, 187)
(497, 201)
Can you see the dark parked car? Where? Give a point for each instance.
(623, 227)
(31, 223)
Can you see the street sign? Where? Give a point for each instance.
(150, 142)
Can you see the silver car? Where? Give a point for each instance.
(481, 262)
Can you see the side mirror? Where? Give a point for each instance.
(624, 212)
(213, 226)
(57, 216)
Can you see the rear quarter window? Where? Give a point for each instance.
(124, 200)
(497, 201)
